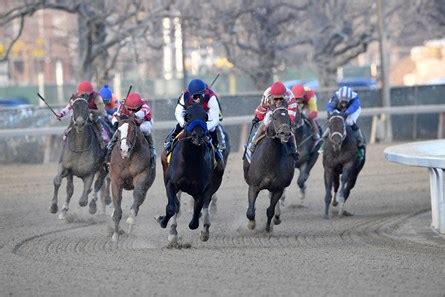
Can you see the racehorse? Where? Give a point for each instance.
(192, 169)
(130, 170)
(307, 151)
(341, 163)
(272, 166)
(81, 157)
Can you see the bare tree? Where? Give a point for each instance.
(103, 30)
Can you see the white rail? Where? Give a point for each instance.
(429, 154)
(237, 120)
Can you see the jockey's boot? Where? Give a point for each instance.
(98, 131)
(171, 137)
(259, 132)
(315, 132)
(360, 141)
(152, 148)
(293, 147)
(323, 139)
(215, 144)
(221, 138)
(110, 148)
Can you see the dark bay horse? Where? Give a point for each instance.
(272, 166)
(130, 170)
(193, 170)
(81, 157)
(341, 162)
(307, 151)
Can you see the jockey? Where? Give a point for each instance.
(134, 104)
(274, 95)
(347, 102)
(306, 98)
(95, 105)
(110, 101)
(197, 93)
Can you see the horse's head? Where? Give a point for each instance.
(81, 112)
(280, 125)
(127, 135)
(337, 130)
(196, 126)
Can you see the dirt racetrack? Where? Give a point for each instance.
(386, 248)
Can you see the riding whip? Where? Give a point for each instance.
(50, 108)
(214, 80)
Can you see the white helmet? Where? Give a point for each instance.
(345, 93)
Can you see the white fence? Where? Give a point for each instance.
(429, 154)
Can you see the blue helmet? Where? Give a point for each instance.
(106, 94)
(196, 86)
(345, 93)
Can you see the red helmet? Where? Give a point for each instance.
(277, 89)
(134, 101)
(85, 87)
(298, 91)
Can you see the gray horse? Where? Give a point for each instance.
(341, 163)
(307, 151)
(272, 166)
(81, 157)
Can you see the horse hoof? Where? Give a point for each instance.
(194, 224)
(335, 203)
(162, 222)
(83, 202)
(251, 224)
(277, 220)
(204, 236)
(62, 214)
(107, 200)
(347, 214)
(130, 220)
(115, 237)
(53, 208)
(172, 238)
(269, 228)
(326, 217)
(93, 207)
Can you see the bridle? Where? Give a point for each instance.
(85, 115)
(332, 134)
(274, 124)
(131, 138)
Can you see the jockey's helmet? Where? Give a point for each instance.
(298, 91)
(133, 102)
(277, 90)
(106, 94)
(345, 94)
(196, 87)
(85, 87)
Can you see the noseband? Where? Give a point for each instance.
(332, 134)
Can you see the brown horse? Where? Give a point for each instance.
(130, 170)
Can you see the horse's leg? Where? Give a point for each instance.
(213, 206)
(139, 193)
(205, 211)
(98, 184)
(302, 177)
(199, 203)
(170, 209)
(336, 181)
(173, 234)
(87, 182)
(69, 194)
(57, 181)
(277, 219)
(253, 194)
(274, 197)
(116, 191)
(344, 179)
(328, 175)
